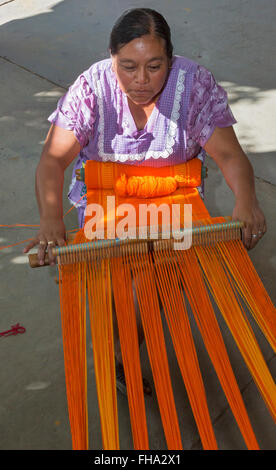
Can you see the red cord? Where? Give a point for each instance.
(15, 330)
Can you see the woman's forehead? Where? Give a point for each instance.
(145, 48)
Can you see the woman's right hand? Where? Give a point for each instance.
(51, 233)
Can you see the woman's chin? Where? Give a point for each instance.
(142, 100)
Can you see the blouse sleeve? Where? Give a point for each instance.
(76, 110)
(208, 107)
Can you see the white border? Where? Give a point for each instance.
(171, 132)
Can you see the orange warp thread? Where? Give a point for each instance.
(225, 270)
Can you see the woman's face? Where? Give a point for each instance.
(141, 67)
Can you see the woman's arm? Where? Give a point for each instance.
(60, 149)
(224, 148)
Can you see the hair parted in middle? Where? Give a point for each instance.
(138, 22)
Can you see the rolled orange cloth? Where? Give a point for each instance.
(104, 175)
(147, 186)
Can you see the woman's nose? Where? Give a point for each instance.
(142, 76)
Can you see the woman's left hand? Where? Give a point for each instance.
(254, 222)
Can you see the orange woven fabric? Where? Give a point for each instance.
(99, 175)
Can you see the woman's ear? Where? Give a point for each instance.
(113, 62)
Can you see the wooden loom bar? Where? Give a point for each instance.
(200, 235)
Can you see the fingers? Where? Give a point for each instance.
(44, 246)
(51, 244)
(51, 256)
(30, 245)
(253, 218)
(254, 239)
(251, 235)
(52, 233)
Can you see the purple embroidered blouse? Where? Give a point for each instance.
(189, 108)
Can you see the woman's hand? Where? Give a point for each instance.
(254, 221)
(50, 234)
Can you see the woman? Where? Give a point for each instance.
(146, 107)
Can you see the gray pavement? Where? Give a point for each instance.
(43, 47)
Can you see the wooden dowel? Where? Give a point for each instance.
(201, 235)
(34, 263)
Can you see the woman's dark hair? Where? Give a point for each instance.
(138, 22)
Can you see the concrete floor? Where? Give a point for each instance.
(42, 50)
